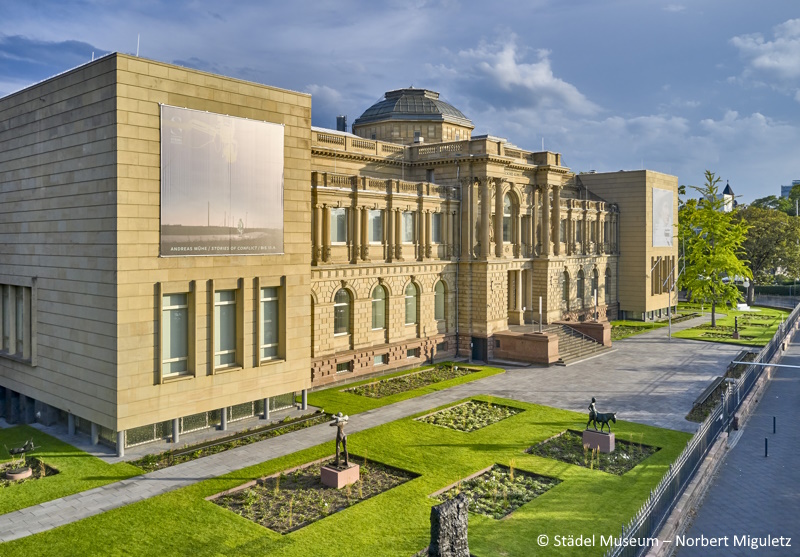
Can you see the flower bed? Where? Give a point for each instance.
(38, 467)
(568, 447)
(410, 381)
(470, 416)
(296, 498)
(497, 492)
(152, 462)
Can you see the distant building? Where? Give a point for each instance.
(786, 190)
(728, 199)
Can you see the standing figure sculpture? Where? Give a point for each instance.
(339, 421)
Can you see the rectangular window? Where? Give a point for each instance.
(375, 226)
(436, 228)
(579, 231)
(224, 328)
(15, 321)
(344, 367)
(338, 225)
(175, 334)
(412, 353)
(269, 323)
(441, 347)
(408, 227)
(381, 360)
(563, 231)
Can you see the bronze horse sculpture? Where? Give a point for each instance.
(604, 419)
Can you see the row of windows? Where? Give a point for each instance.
(581, 284)
(342, 305)
(15, 321)
(176, 329)
(408, 226)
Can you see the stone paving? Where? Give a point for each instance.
(647, 379)
(753, 495)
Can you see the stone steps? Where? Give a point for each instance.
(573, 347)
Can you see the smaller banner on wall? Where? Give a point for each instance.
(221, 184)
(663, 229)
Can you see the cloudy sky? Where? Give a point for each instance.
(677, 87)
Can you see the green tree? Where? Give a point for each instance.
(771, 244)
(782, 204)
(712, 244)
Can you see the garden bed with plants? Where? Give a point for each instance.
(38, 467)
(290, 500)
(470, 416)
(500, 490)
(568, 447)
(153, 462)
(411, 381)
(701, 411)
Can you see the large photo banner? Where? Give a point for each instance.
(663, 230)
(221, 184)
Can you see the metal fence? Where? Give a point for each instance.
(655, 511)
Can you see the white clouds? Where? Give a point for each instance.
(498, 73)
(778, 58)
(674, 8)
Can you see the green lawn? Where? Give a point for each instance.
(78, 471)
(336, 399)
(623, 329)
(757, 326)
(395, 523)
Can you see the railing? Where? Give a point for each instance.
(655, 511)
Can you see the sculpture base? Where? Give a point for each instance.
(339, 477)
(19, 473)
(603, 442)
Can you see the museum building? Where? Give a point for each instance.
(181, 249)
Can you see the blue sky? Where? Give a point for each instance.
(677, 87)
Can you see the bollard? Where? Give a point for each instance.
(766, 451)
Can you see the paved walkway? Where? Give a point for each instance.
(753, 495)
(648, 379)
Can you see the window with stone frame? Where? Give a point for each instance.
(341, 312)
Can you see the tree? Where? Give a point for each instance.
(770, 244)
(713, 243)
(776, 203)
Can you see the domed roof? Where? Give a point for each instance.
(412, 104)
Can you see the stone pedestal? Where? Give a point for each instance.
(604, 442)
(19, 473)
(339, 477)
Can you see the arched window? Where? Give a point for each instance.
(595, 284)
(581, 286)
(341, 312)
(411, 304)
(438, 301)
(565, 292)
(507, 218)
(379, 307)
(607, 285)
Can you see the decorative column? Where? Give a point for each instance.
(486, 217)
(317, 231)
(534, 218)
(428, 248)
(557, 220)
(364, 233)
(518, 231)
(398, 238)
(326, 233)
(389, 231)
(498, 218)
(545, 228)
(601, 230)
(356, 234)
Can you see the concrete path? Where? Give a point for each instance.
(647, 379)
(754, 495)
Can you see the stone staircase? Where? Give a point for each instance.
(573, 346)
